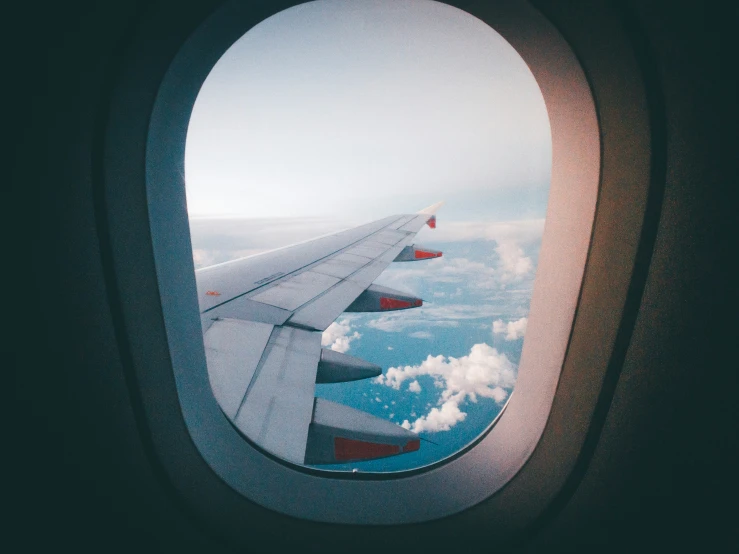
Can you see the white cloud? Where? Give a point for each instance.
(512, 330)
(507, 264)
(439, 419)
(526, 231)
(414, 386)
(389, 347)
(432, 315)
(338, 336)
(513, 263)
(421, 335)
(484, 372)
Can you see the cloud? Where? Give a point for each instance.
(526, 231)
(484, 372)
(338, 337)
(438, 419)
(433, 315)
(512, 330)
(421, 335)
(512, 261)
(505, 265)
(414, 386)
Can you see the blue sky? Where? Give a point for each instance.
(332, 114)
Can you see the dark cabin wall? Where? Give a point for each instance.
(81, 479)
(663, 475)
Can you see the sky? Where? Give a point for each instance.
(339, 106)
(335, 113)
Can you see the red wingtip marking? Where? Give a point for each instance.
(393, 303)
(213, 293)
(412, 446)
(350, 449)
(418, 302)
(432, 222)
(423, 254)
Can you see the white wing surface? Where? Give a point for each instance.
(262, 319)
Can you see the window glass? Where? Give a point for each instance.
(332, 114)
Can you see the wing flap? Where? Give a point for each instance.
(277, 410)
(322, 311)
(233, 349)
(339, 267)
(296, 291)
(367, 274)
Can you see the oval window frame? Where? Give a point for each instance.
(145, 202)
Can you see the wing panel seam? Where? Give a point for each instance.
(300, 269)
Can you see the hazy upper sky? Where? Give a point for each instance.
(370, 107)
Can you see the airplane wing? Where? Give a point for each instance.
(262, 320)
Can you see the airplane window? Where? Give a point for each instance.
(393, 341)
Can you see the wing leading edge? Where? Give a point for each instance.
(262, 321)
